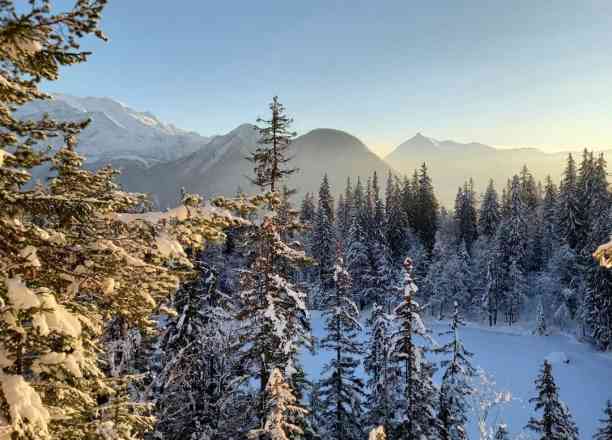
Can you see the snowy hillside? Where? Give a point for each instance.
(116, 130)
(513, 359)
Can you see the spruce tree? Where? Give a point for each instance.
(489, 215)
(324, 237)
(272, 156)
(541, 328)
(605, 431)
(466, 216)
(570, 218)
(556, 422)
(419, 420)
(550, 233)
(426, 209)
(395, 221)
(456, 387)
(340, 390)
(383, 402)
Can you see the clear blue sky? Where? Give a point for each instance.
(509, 73)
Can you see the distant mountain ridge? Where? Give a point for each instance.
(117, 131)
(160, 159)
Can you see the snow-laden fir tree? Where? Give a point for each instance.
(308, 210)
(489, 215)
(384, 384)
(198, 394)
(396, 227)
(324, 236)
(419, 419)
(555, 422)
(541, 328)
(550, 235)
(426, 209)
(456, 383)
(358, 259)
(273, 308)
(281, 405)
(605, 430)
(341, 390)
(569, 216)
(344, 215)
(466, 215)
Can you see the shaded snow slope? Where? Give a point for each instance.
(514, 360)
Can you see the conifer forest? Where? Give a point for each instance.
(311, 291)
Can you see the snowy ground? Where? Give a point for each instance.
(514, 358)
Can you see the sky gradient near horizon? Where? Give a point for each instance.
(517, 74)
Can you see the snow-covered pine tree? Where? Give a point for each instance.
(456, 383)
(466, 216)
(426, 209)
(281, 407)
(605, 430)
(489, 215)
(569, 216)
(419, 420)
(358, 260)
(383, 402)
(340, 390)
(556, 422)
(198, 393)
(396, 225)
(344, 214)
(550, 234)
(273, 309)
(324, 236)
(541, 328)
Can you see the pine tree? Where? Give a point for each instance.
(466, 216)
(383, 401)
(281, 405)
(556, 422)
(396, 223)
(605, 431)
(341, 391)
(541, 328)
(489, 216)
(273, 309)
(271, 157)
(419, 420)
(426, 209)
(550, 235)
(345, 213)
(324, 237)
(570, 221)
(358, 262)
(455, 384)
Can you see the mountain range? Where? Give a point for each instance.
(160, 159)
